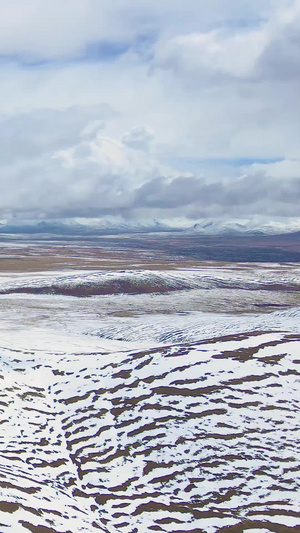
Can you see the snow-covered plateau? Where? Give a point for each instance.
(150, 400)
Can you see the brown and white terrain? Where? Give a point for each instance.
(142, 391)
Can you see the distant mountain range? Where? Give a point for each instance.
(244, 226)
(73, 226)
(94, 226)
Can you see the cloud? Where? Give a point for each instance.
(268, 49)
(58, 29)
(285, 169)
(251, 194)
(65, 164)
(139, 137)
(208, 56)
(29, 135)
(280, 58)
(99, 101)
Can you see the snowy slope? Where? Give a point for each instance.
(182, 438)
(171, 422)
(243, 276)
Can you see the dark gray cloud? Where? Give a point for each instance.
(255, 194)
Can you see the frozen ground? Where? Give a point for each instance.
(137, 401)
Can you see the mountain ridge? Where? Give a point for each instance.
(98, 226)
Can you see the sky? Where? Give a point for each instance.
(173, 110)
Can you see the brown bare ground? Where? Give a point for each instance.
(60, 258)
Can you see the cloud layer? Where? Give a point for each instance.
(149, 109)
